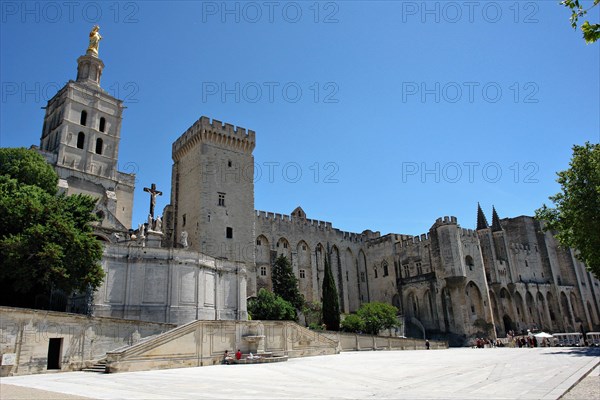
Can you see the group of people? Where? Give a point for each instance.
(227, 359)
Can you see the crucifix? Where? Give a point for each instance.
(153, 193)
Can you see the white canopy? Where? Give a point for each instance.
(543, 335)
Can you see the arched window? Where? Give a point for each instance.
(98, 146)
(385, 268)
(80, 140)
(469, 262)
(83, 119)
(102, 124)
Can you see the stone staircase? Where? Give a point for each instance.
(99, 367)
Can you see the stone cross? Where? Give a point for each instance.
(153, 193)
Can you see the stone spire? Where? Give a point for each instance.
(495, 221)
(481, 220)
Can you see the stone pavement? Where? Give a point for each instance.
(504, 373)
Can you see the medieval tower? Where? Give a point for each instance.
(80, 139)
(212, 191)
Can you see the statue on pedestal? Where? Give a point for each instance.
(94, 41)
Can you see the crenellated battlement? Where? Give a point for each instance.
(519, 246)
(205, 130)
(270, 217)
(468, 233)
(411, 241)
(446, 220)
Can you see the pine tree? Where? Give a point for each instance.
(331, 305)
(285, 283)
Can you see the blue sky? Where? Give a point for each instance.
(371, 115)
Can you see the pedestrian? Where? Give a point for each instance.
(427, 344)
(238, 354)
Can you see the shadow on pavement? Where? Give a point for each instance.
(578, 352)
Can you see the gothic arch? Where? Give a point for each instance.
(363, 277)
(427, 307)
(578, 314)
(305, 276)
(320, 254)
(552, 308)
(531, 310)
(336, 270)
(283, 248)
(412, 305)
(469, 262)
(496, 310)
(351, 280)
(263, 264)
(520, 308)
(541, 310)
(476, 309)
(566, 312)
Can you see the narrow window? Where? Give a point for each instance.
(229, 163)
(419, 269)
(263, 271)
(526, 263)
(258, 242)
(302, 274)
(221, 199)
(406, 271)
(83, 119)
(80, 140)
(102, 124)
(362, 276)
(183, 220)
(385, 269)
(375, 271)
(347, 278)
(98, 146)
(229, 233)
(285, 245)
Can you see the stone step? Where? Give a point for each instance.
(99, 367)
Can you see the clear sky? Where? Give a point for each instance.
(371, 115)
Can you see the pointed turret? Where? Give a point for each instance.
(481, 220)
(495, 221)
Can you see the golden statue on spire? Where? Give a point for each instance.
(94, 41)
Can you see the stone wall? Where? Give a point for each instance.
(202, 343)
(169, 285)
(79, 340)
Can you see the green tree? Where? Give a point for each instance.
(377, 316)
(331, 305)
(285, 283)
(353, 323)
(576, 218)
(271, 307)
(591, 32)
(46, 241)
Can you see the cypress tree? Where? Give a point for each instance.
(285, 283)
(331, 305)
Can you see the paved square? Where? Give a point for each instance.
(504, 373)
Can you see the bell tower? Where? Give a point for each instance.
(80, 138)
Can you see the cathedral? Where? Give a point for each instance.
(210, 250)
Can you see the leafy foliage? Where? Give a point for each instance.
(313, 312)
(28, 168)
(576, 218)
(46, 241)
(353, 323)
(377, 316)
(591, 32)
(269, 306)
(331, 305)
(285, 283)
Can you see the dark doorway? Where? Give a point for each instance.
(508, 325)
(54, 350)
